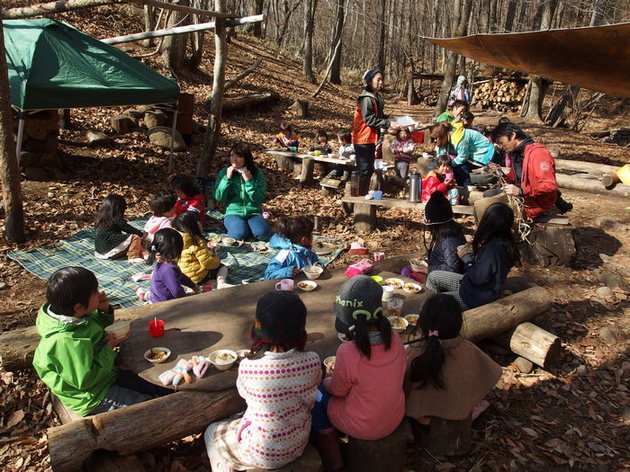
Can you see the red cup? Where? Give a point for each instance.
(156, 328)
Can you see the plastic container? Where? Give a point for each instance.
(156, 328)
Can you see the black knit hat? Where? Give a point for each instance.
(368, 74)
(280, 319)
(360, 295)
(438, 210)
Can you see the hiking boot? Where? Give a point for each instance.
(563, 205)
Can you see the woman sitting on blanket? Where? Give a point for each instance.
(242, 187)
(114, 237)
(293, 237)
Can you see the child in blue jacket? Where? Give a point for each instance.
(293, 237)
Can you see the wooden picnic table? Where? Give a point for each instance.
(222, 319)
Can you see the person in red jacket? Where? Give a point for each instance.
(533, 172)
(189, 197)
(440, 179)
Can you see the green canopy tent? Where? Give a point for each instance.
(52, 65)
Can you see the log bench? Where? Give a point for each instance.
(365, 210)
(286, 160)
(309, 461)
(447, 437)
(383, 455)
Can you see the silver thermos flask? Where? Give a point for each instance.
(415, 187)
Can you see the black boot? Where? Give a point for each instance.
(562, 204)
(329, 447)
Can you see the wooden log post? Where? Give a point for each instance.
(135, 428)
(504, 314)
(533, 343)
(300, 107)
(448, 437)
(383, 455)
(17, 348)
(347, 192)
(364, 218)
(308, 167)
(285, 163)
(590, 185)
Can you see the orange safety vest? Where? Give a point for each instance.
(362, 133)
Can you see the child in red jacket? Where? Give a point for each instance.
(441, 179)
(189, 197)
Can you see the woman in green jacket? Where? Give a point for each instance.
(242, 187)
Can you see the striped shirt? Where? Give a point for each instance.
(279, 390)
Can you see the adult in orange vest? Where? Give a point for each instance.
(367, 123)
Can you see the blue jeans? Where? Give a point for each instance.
(319, 413)
(241, 228)
(462, 173)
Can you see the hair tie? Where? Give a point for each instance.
(434, 332)
(153, 248)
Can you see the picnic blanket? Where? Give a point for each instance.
(114, 276)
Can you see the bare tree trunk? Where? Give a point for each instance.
(216, 104)
(197, 37)
(288, 11)
(335, 70)
(309, 24)
(149, 23)
(174, 47)
(255, 7)
(381, 41)
(451, 63)
(9, 172)
(537, 87)
(510, 15)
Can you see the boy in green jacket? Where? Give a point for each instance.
(75, 356)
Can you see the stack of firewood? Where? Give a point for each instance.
(502, 95)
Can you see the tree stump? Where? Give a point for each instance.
(308, 167)
(448, 437)
(347, 192)
(383, 455)
(550, 246)
(309, 461)
(364, 218)
(300, 107)
(64, 118)
(121, 124)
(285, 163)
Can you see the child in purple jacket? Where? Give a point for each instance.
(167, 278)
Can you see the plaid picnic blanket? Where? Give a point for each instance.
(114, 276)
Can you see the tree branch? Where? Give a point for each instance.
(242, 75)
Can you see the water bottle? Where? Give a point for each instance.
(415, 187)
(355, 183)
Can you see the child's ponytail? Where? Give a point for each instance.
(440, 318)
(167, 244)
(361, 334)
(188, 222)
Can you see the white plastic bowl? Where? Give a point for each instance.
(411, 287)
(156, 350)
(307, 285)
(418, 265)
(120, 329)
(329, 360)
(313, 272)
(398, 323)
(219, 362)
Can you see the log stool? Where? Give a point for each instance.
(383, 455)
(448, 437)
(309, 461)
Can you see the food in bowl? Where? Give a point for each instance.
(307, 285)
(412, 319)
(394, 306)
(313, 272)
(412, 288)
(223, 359)
(242, 354)
(418, 265)
(398, 323)
(329, 362)
(120, 329)
(157, 354)
(344, 338)
(394, 282)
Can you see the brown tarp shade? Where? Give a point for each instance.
(596, 58)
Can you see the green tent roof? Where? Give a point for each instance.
(53, 65)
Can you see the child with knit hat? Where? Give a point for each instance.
(278, 380)
(447, 376)
(363, 397)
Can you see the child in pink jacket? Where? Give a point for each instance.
(364, 396)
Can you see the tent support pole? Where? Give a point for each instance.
(170, 156)
(20, 135)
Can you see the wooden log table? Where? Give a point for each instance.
(365, 210)
(287, 159)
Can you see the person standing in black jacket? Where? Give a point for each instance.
(494, 253)
(114, 237)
